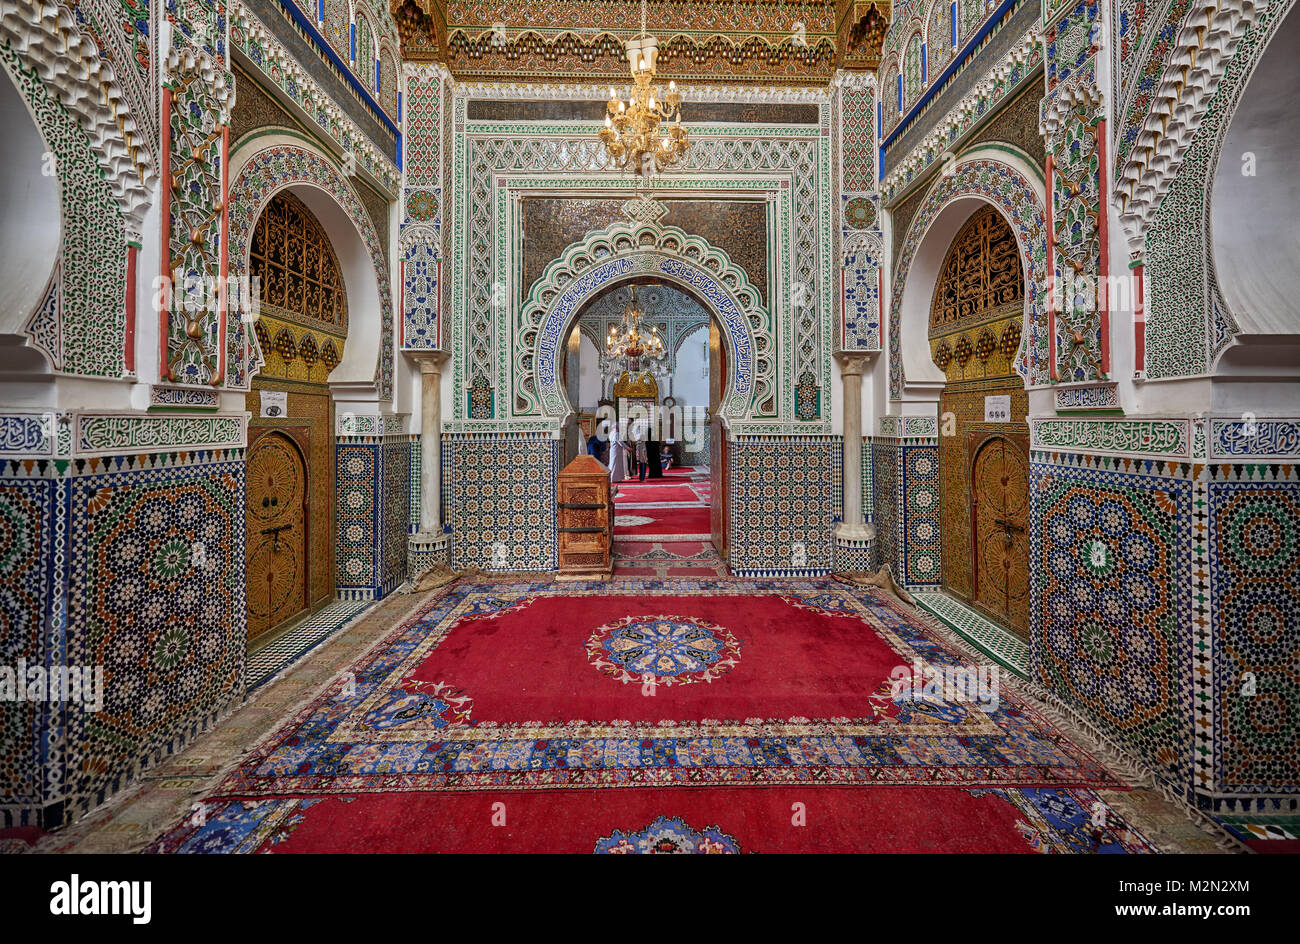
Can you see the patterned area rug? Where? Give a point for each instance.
(621, 693)
(633, 492)
(667, 557)
(677, 822)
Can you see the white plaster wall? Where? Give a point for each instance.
(589, 387)
(1253, 216)
(690, 382)
(29, 238)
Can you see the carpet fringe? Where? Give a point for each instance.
(1117, 757)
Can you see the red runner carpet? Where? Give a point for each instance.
(640, 821)
(617, 714)
(632, 492)
(671, 521)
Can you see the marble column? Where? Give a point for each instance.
(852, 365)
(430, 543)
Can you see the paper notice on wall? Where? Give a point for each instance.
(997, 409)
(275, 403)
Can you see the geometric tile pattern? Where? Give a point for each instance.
(500, 492)
(373, 515)
(1254, 543)
(358, 507)
(886, 500)
(920, 513)
(1110, 603)
(1005, 648)
(283, 651)
(785, 495)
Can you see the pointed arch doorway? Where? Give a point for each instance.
(976, 318)
(678, 395)
(302, 328)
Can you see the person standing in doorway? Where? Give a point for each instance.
(641, 452)
(617, 455)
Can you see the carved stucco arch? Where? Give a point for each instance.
(269, 165)
(1008, 180)
(623, 252)
(48, 39)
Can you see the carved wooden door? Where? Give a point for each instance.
(1000, 525)
(276, 533)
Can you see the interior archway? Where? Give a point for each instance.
(684, 481)
(265, 167)
(316, 293)
(951, 201)
(974, 330)
(666, 254)
(29, 191)
(1255, 241)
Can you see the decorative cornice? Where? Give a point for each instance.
(324, 114)
(190, 61)
(995, 87)
(1199, 56)
(557, 91)
(46, 37)
(1080, 89)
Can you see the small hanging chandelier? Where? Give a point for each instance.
(630, 342)
(645, 133)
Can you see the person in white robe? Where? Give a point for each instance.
(617, 455)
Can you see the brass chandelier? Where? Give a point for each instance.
(644, 133)
(630, 342)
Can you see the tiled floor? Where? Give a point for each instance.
(287, 648)
(1001, 645)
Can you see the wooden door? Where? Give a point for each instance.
(276, 533)
(1000, 526)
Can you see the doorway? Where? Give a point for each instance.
(1000, 529)
(667, 393)
(975, 327)
(276, 537)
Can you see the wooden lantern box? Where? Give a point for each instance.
(585, 520)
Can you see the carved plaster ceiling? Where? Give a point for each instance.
(785, 42)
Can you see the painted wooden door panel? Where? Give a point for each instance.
(276, 519)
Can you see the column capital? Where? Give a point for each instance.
(854, 362)
(431, 362)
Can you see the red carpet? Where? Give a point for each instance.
(640, 821)
(685, 520)
(599, 711)
(654, 493)
(812, 665)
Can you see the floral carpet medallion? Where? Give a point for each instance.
(665, 649)
(486, 698)
(796, 709)
(668, 837)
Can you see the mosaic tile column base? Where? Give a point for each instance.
(855, 554)
(426, 551)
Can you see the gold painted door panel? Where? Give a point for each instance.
(1000, 531)
(276, 533)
